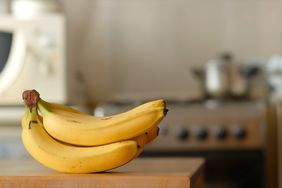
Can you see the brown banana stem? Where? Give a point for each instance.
(31, 97)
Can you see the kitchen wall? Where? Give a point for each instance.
(150, 45)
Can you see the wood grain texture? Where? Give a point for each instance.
(145, 172)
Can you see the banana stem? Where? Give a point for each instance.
(31, 98)
(33, 116)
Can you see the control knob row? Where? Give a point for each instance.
(202, 133)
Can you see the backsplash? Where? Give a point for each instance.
(131, 45)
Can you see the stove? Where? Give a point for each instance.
(203, 125)
(229, 134)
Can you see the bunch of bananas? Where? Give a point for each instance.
(67, 140)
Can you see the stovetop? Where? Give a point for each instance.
(201, 124)
(174, 98)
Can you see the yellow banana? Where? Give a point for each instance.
(70, 126)
(25, 117)
(73, 159)
(59, 108)
(152, 134)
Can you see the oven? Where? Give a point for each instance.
(230, 135)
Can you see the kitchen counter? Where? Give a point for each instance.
(143, 172)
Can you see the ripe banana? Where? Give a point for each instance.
(152, 134)
(71, 126)
(74, 159)
(59, 108)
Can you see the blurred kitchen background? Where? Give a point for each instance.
(217, 63)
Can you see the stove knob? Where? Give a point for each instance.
(182, 133)
(201, 133)
(240, 132)
(220, 133)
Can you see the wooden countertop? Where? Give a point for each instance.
(144, 172)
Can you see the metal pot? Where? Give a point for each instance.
(222, 78)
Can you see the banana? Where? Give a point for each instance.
(25, 116)
(70, 126)
(58, 108)
(73, 159)
(152, 134)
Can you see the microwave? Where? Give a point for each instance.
(32, 56)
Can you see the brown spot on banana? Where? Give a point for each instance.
(74, 121)
(106, 118)
(30, 122)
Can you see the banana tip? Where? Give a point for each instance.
(165, 111)
(158, 131)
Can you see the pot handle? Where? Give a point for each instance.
(198, 73)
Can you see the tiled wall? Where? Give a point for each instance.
(151, 45)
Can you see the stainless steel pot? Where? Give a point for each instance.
(222, 78)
